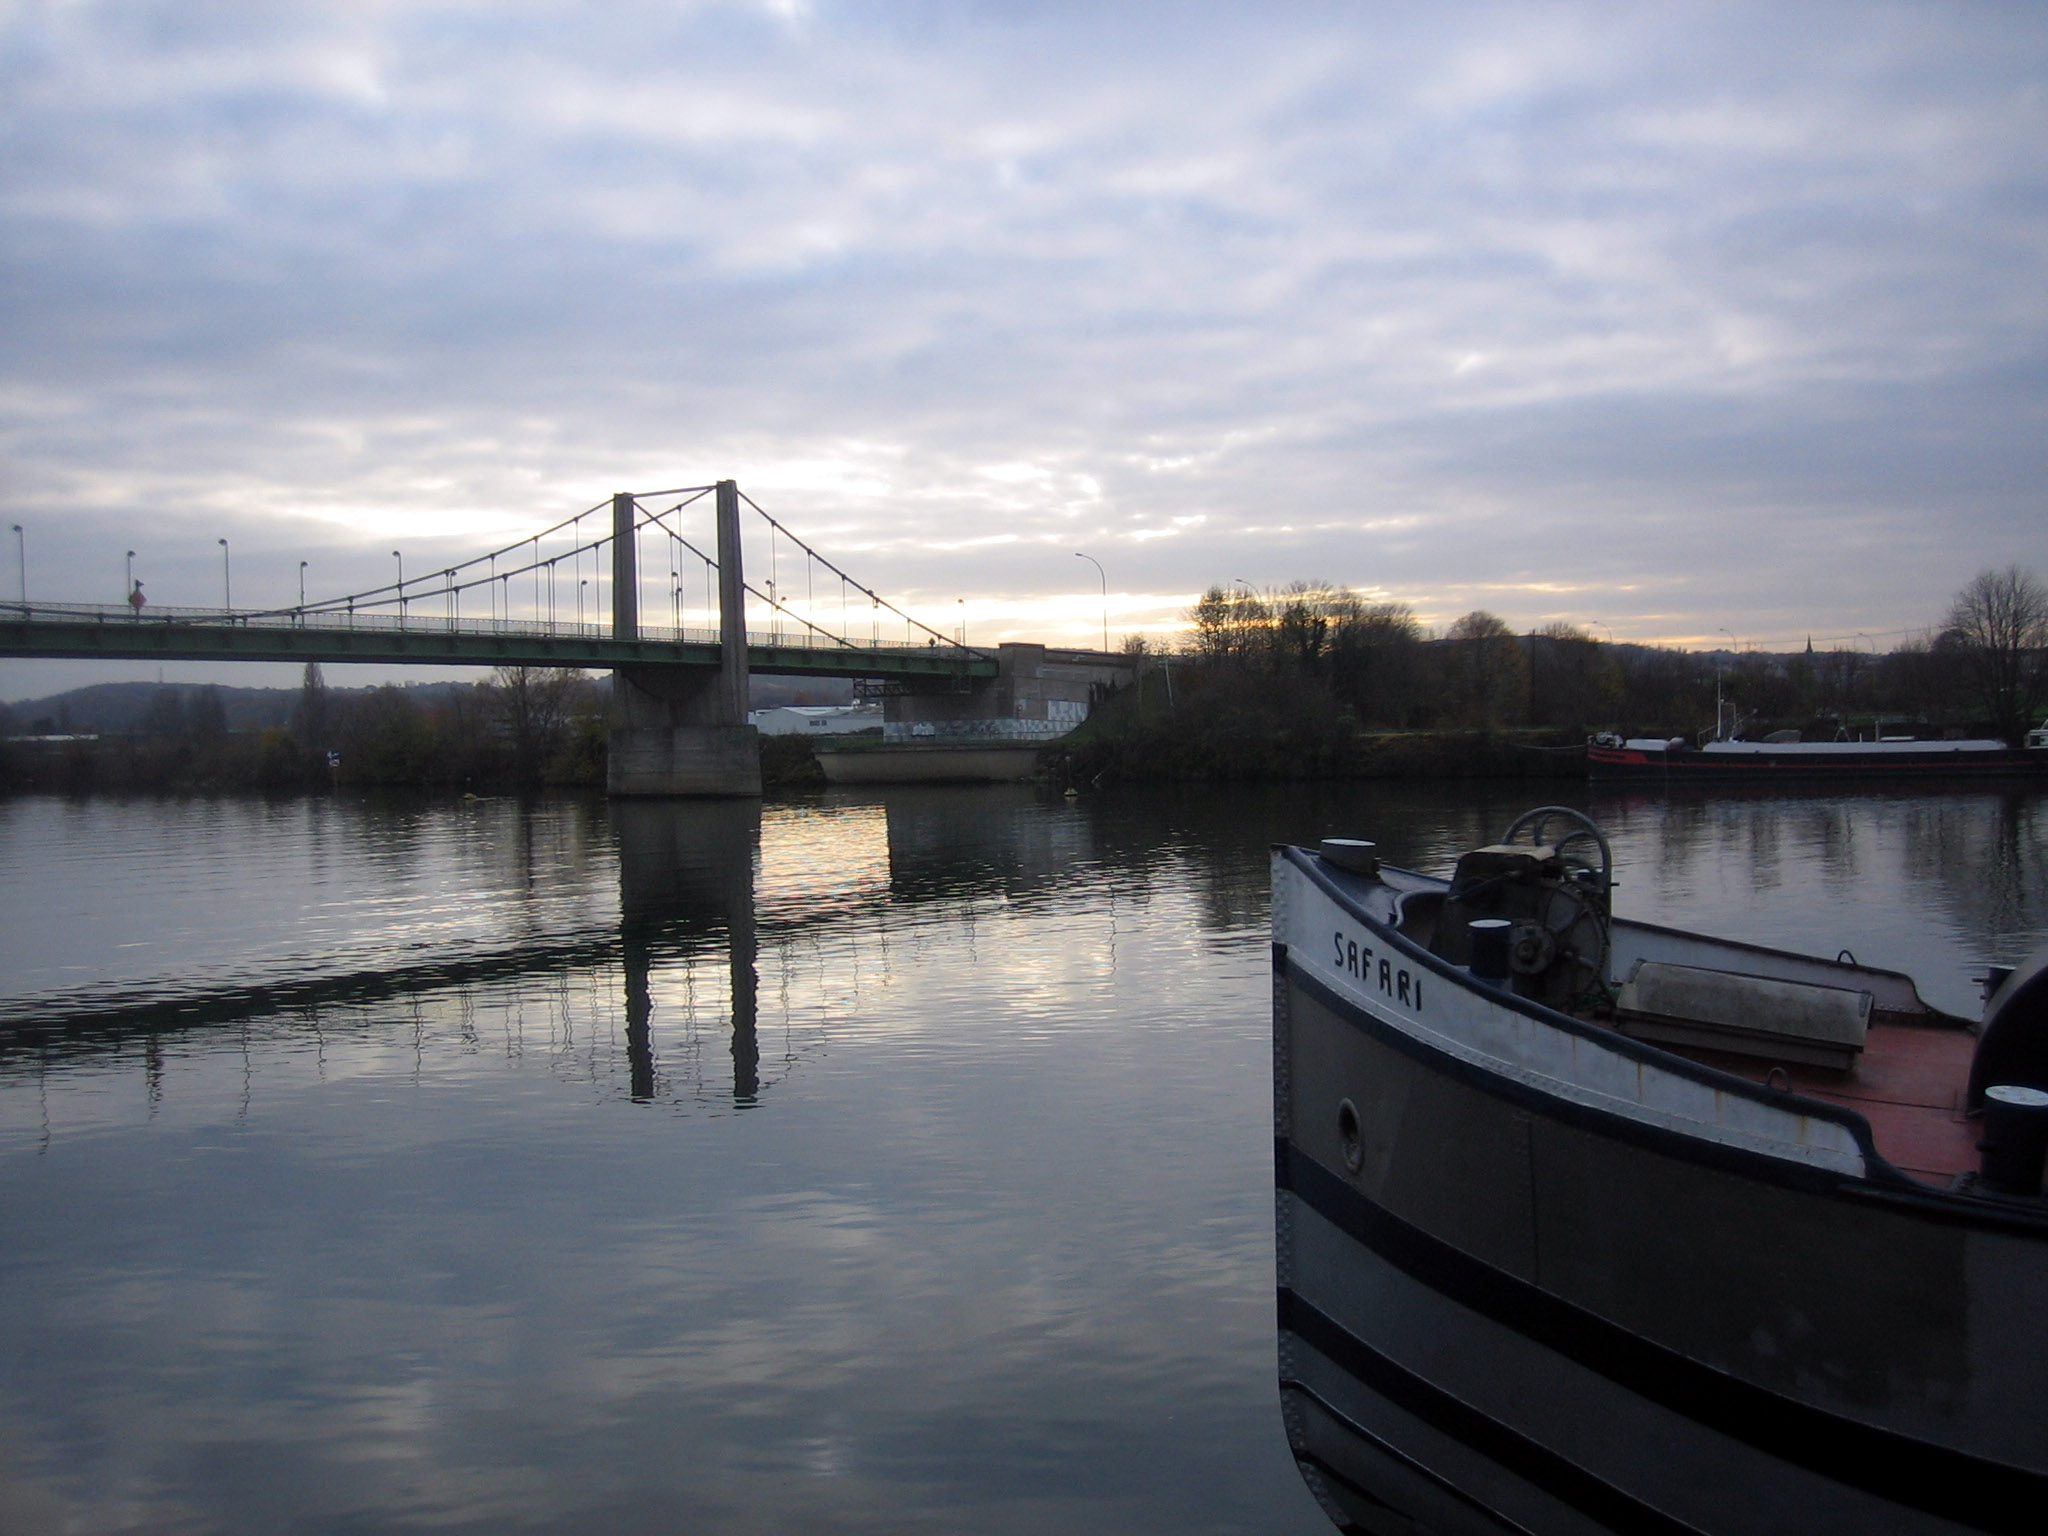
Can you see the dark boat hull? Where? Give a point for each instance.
(1541, 1302)
(1937, 762)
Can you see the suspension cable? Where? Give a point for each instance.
(870, 592)
(397, 590)
(528, 547)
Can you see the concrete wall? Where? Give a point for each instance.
(1040, 693)
(814, 720)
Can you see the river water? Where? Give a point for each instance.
(874, 1162)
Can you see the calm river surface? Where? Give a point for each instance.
(895, 1162)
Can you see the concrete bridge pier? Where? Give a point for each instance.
(682, 730)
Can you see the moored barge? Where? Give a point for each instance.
(1677, 761)
(1592, 1225)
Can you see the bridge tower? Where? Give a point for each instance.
(682, 730)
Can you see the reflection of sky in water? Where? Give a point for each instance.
(1935, 885)
(422, 1261)
(169, 894)
(989, 1248)
(812, 857)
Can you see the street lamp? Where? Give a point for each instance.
(302, 583)
(401, 587)
(1719, 669)
(227, 586)
(581, 583)
(1606, 626)
(21, 560)
(131, 570)
(675, 596)
(1105, 594)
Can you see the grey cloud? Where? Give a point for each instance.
(1710, 311)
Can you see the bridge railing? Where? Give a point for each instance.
(376, 621)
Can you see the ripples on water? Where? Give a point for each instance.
(888, 1163)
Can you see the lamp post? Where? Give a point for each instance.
(581, 583)
(21, 562)
(1606, 626)
(227, 585)
(1104, 577)
(302, 584)
(675, 598)
(1719, 669)
(130, 587)
(401, 587)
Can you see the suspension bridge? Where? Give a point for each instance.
(584, 593)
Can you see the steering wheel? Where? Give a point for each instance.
(1588, 860)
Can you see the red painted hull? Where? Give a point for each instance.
(1936, 762)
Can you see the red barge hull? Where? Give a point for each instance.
(1936, 761)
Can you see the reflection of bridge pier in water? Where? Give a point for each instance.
(716, 912)
(688, 866)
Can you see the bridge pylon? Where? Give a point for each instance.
(679, 730)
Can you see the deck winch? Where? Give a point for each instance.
(1553, 892)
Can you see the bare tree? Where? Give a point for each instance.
(310, 718)
(1211, 618)
(1305, 612)
(1377, 661)
(1488, 672)
(1231, 625)
(1573, 680)
(1998, 624)
(533, 706)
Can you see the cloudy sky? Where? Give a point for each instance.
(1681, 319)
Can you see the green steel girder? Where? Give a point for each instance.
(113, 640)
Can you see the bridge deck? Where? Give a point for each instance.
(74, 631)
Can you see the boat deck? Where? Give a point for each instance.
(1909, 1083)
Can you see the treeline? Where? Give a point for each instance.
(1378, 665)
(1312, 679)
(524, 727)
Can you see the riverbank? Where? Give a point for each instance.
(271, 762)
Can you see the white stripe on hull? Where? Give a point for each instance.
(1446, 1015)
